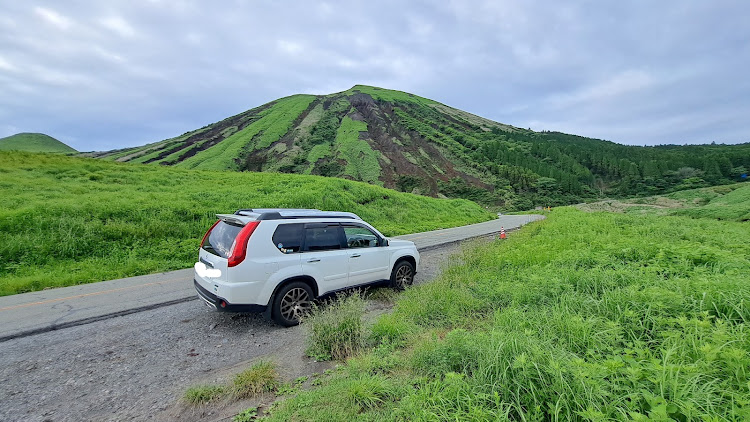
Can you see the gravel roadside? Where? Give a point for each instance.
(136, 367)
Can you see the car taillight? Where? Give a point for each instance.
(205, 236)
(239, 248)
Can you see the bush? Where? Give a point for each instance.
(336, 330)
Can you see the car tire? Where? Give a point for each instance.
(292, 302)
(402, 275)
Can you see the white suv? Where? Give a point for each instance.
(277, 261)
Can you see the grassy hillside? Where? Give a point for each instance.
(727, 202)
(581, 317)
(68, 221)
(413, 144)
(33, 142)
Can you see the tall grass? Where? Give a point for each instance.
(336, 329)
(581, 317)
(260, 378)
(67, 221)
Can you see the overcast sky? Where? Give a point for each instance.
(101, 75)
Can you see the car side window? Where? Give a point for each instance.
(288, 237)
(360, 237)
(322, 238)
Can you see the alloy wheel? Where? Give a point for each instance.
(295, 303)
(404, 276)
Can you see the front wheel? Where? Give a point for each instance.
(402, 275)
(291, 303)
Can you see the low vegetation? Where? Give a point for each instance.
(582, 317)
(67, 221)
(246, 415)
(727, 202)
(260, 378)
(203, 394)
(336, 329)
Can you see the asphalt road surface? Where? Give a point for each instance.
(37, 312)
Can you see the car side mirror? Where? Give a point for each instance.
(384, 242)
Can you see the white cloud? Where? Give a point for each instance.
(289, 47)
(54, 18)
(119, 26)
(7, 66)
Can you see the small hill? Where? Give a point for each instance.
(413, 144)
(34, 142)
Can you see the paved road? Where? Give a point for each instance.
(37, 312)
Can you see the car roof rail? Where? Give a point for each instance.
(293, 213)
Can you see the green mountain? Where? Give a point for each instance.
(413, 144)
(34, 142)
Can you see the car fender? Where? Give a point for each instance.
(275, 279)
(402, 253)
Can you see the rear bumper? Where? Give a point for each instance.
(222, 305)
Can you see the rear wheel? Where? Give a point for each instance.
(402, 275)
(292, 302)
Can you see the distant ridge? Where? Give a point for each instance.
(34, 142)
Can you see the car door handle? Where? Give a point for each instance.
(356, 255)
(314, 260)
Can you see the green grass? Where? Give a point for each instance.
(731, 205)
(389, 95)
(581, 317)
(260, 378)
(336, 329)
(361, 161)
(317, 152)
(724, 202)
(67, 221)
(246, 415)
(273, 123)
(33, 142)
(203, 394)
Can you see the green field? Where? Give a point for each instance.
(33, 142)
(726, 202)
(581, 317)
(67, 221)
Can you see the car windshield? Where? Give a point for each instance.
(221, 239)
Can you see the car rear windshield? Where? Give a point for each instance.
(219, 241)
